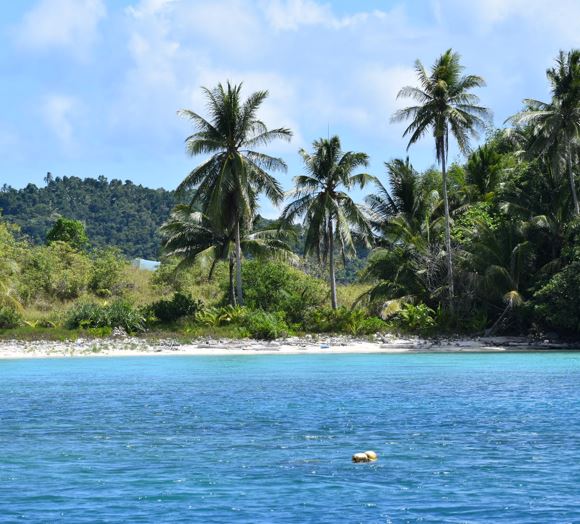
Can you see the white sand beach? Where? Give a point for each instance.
(131, 346)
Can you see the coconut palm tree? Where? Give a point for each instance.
(235, 173)
(331, 218)
(555, 126)
(407, 217)
(501, 261)
(191, 237)
(407, 209)
(445, 105)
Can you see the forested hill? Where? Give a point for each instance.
(115, 213)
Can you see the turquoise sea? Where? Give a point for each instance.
(461, 438)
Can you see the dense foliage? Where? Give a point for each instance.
(487, 245)
(115, 213)
(69, 231)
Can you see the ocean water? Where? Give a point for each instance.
(460, 438)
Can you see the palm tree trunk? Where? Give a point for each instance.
(331, 266)
(239, 265)
(572, 182)
(212, 269)
(231, 291)
(447, 233)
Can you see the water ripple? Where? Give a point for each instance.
(461, 438)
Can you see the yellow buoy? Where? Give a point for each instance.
(371, 455)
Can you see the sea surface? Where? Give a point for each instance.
(460, 438)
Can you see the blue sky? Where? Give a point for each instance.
(91, 87)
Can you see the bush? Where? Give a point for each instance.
(180, 305)
(265, 326)
(117, 314)
(69, 231)
(223, 316)
(343, 320)
(256, 324)
(557, 303)
(415, 318)
(57, 271)
(9, 317)
(193, 281)
(274, 287)
(107, 272)
(122, 314)
(368, 326)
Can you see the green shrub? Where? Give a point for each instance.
(107, 270)
(55, 271)
(180, 305)
(9, 317)
(86, 315)
(117, 314)
(557, 303)
(257, 324)
(69, 231)
(224, 316)
(265, 326)
(415, 318)
(343, 320)
(100, 332)
(367, 326)
(273, 287)
(122, 314)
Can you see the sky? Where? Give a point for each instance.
(92, 87)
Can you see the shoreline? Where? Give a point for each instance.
(323, 345)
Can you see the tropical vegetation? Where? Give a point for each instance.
(484, 245)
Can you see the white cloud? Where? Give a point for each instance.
(68, 24)
(367, 100)
(59, 111)
(167, 69)
(280, 109)
(291, 14)
(559, 17)
(230, 25)
(148, 7)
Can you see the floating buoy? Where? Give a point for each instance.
(371, 455)
(360, 457)
(367, 456)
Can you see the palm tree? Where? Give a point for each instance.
(190, 236)
(329, 212)
(501, 260)
(235, 173)
(407, 216)
(405, 211)
(445, 105)
(483, 170)
(555, 126)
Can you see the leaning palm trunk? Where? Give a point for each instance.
(447, 234)
(333, 299)
(571, 178)
(240, 298)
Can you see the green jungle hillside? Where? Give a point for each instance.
(115, 213)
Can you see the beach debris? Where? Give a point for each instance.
(119, 332)
(367, 456)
